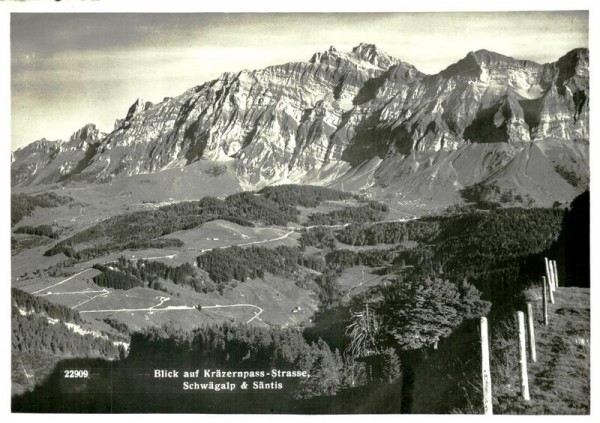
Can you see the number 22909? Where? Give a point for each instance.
(77, 374)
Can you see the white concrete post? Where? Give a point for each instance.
(522, 356)
(550, 292)
(547, 268)
(545, 300)
(531, 333)
(548, 273)
(550, 263)
(486, 376)
(555, 273)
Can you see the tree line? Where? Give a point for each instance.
(496, 247)
(34, 333)
(22, 205)
(144, 229)
(18, 244)
(127, 274)
(226, 264)
(115, 279)
(40, 230)
(389, 233)
(371, 212)
(132, 230)
(28, 302)
(268, 207)
(303, 195)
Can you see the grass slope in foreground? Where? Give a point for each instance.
(559, 382)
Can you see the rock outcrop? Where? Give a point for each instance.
(45, 162)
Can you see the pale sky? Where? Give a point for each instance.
(72, 69)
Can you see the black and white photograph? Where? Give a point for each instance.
(298, 212)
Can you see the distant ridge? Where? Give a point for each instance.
(361, 117)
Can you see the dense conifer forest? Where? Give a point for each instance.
(22, 205)
(40, 230)
(35, 333)
(127, 274)
(28, 302)
(303, 195)
(40, 335)
(226, 264)
(371, 212)
(142, 228)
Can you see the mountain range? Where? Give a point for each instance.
(487, 128)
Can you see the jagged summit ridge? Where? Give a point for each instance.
(46, 161)
(361, 55)
(88, 132)
(490, 58)
(375, 56)
(319, 120)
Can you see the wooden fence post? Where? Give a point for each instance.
(545, 300)
(531, 333)
(555, 273)
(522, 357)
(486, 376)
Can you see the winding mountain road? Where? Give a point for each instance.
(155, 308)
(170, 256)
(177, 308)
(63, 281)
(249, 243)
(345, 225)
(103, 295)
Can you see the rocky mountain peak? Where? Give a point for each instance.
(363, 55)
(476, 62)
(321, 56)
(43, 144)
(137, 107)
(576, 55)
(574, 62)
(491, 59)
(315, 123)
(375, 56)
(487, 57)
(88, 132)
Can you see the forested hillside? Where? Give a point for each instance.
(40, 338)
(26, 302)
(303, 195)
(438, 263)
(397, 299)
(371, 212)
(142, 228)
(22, 205)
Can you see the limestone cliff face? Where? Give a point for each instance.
(483, 98)
(276, 122)
(315, 121)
